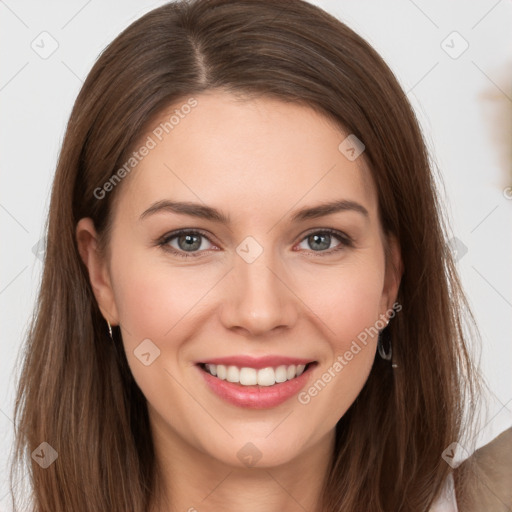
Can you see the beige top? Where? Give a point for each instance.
(490, 480)
(490, 477)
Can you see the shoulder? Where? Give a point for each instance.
(487, 477)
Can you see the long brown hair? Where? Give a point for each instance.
(76, 391)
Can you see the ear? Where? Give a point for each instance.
(99, 276)
(393, 275)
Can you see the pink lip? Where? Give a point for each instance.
(256, 397)
(257, 362)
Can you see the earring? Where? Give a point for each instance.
(384, 345)
(110, 330)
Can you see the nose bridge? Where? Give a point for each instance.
(259, 299)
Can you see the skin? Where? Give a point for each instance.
(258, 161)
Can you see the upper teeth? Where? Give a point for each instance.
(251, 376)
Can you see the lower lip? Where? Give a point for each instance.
(256, 397)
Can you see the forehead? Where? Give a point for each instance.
(245, 155)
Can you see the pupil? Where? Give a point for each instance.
(190, 244)
(315, 239)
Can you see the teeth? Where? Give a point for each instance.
(250, 376)
(281, 374)
(233, 374)
(266, 377)
(220, 370)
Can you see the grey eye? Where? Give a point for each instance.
(187, 242)
(319, 241)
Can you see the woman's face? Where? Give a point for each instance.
(263, 278)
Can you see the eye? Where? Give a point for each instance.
(321, 240)
(187, 241)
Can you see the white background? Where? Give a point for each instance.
(464, 105)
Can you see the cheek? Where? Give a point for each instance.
(336, 387)
(345, 298)
(156, 302)
(152, 300)
(347, 302)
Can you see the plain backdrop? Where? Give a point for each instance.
(453, 60)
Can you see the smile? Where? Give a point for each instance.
(256, 388)
(252, 376)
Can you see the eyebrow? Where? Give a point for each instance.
(209, 213)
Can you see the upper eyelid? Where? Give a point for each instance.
(174, 234)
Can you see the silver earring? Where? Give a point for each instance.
(110, 330)
(384, 345)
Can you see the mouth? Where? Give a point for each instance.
(250, 377)
(264, 387)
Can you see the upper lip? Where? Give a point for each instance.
(256, 362)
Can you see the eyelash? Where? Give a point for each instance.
(345, 240)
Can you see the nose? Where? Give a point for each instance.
(259, 297)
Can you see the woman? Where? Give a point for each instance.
(247, 297)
